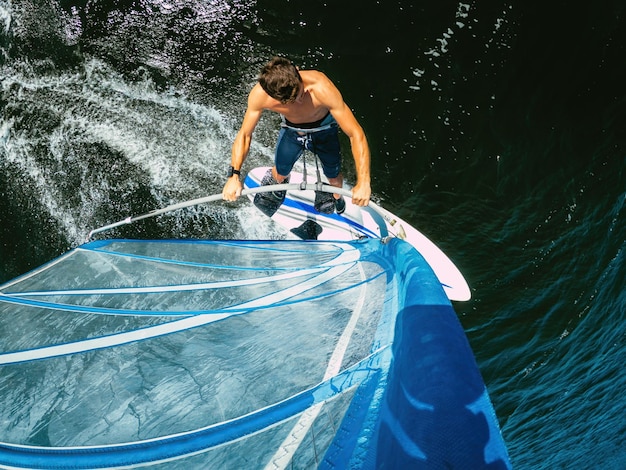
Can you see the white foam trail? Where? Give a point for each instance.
(5, 16)
(5, 24)
(183, 147)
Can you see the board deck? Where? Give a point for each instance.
(298, 215)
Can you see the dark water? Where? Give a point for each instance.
(498, 129)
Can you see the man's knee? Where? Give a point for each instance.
(336, 181)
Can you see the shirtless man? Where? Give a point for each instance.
(311, 107)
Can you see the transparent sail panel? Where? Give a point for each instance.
(221, 330)
(209, 354)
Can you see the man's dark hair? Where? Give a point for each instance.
(280, 79)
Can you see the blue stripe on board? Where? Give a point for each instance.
(309, 209)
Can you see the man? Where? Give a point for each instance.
(311, 107)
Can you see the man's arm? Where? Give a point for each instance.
(241, 144)
(331, 97)
(362, 191)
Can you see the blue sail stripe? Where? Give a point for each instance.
(190, 443)
(99, 248)
(273, 299)
(173, 287)
(121, 312)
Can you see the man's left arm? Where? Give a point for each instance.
(360, 151)
(329, 95)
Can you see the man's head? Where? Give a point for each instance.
(281, 80)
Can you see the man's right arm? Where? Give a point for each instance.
(241, 144)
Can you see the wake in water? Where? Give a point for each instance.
(83, 145)
(90, 146)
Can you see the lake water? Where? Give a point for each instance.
(498, 129)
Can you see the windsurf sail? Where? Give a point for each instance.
(239, 354)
